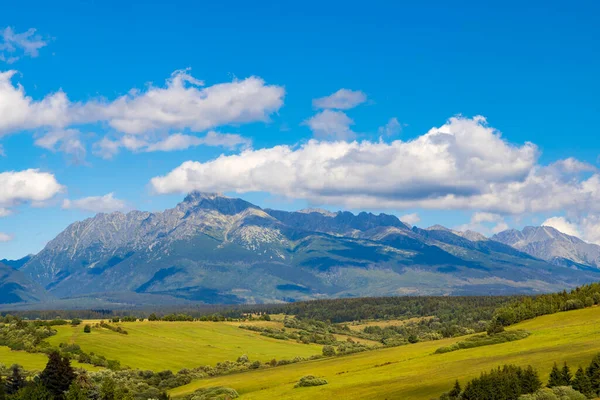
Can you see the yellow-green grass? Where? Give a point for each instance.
(359, 326)
(414, 371)
(160, 346)
(29, 361)
(32, 361)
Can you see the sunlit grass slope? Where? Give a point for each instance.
(414, 372)
(159, 346)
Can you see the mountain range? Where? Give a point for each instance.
(215, 249)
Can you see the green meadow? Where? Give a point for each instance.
(159, 346)
(414, 371)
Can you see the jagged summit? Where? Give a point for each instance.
(218, 202)
(550, 244)
(318, 211)
(438, 227)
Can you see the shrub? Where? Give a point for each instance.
(76, 321)
(214, 393)
(310, 380)
(87, 329)
(328, 351)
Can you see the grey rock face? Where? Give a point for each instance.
(549, 244)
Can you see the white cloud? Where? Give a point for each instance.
(13, 45)
(4, 212)
(184, 103)
(180, 141)
(410, 219)
(462, 164)
(563, 225)
(181, 104)
(107, 148)
(393, 127)
(343, 99)
(107, 203)
(330, 124)
(485, 223)
(5, 237)
(20, 112)
(66, 140)
(29, 185)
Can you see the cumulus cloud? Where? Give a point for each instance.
(65, 140)
(30, 185)
(410, 219)
(563, 225)
(393, 127)
(5, 237)
(485, 223)
(20, 112)
(330, 124)
(4, 212)
(107, 148)
(183, 103)
(462, 164)
(13, 45)
(343, 99)
(107, 203)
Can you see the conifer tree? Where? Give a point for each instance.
(456, 390)
(556, 378)
(16, 380)
(593, 372)
(581, 382)
(530, 381)
(58, 375)
(566, 375)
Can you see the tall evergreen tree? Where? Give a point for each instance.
(58, 375)
(566, 375)
(456, 390)
(16, 380)
(581, 382)
(556, 378)
(530, 381)
(593, 372)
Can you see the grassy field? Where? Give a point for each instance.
(414, 372)
(160, 346)
(32, 361)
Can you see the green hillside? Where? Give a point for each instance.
(414, 371)
(160, 346)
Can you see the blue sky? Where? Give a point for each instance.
(404, 69)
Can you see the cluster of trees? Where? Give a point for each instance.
(524, 308)
(511, 382)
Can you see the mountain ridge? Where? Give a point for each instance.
(214, 249)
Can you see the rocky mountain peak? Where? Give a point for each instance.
(217, 202)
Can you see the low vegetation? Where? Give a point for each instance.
(485, 340)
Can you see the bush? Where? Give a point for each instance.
(328, 351)
(310, 380)
(87, 329)
(556, 393)
(215, 393)
(76, 321)
(485, 340)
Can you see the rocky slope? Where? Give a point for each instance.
(549, 244)
(214, 249)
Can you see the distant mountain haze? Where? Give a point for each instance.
(215, 249)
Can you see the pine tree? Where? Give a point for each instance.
(58, 375)
(581, 382)
(16, 381)
(566, 375)
(456, 390)
(556, 378)
(593, 372)
(530, 381)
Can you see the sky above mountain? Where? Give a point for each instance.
(469, 115)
